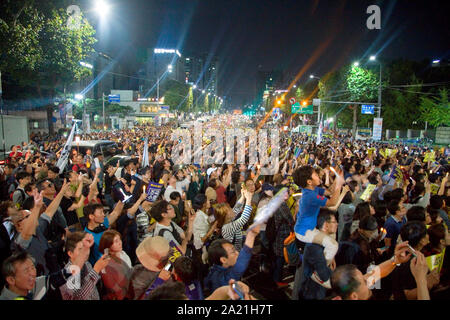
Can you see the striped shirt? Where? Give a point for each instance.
(85, 288)
(232, 231)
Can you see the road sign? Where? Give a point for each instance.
(292, 100)
(316, 102)
(367, 109)
(377, 128)
(114, 98)
(297, 108)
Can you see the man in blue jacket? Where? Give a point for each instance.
(228, 263)
(314, 262)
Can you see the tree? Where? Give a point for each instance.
(332, 87)
(190, 100)
(176, 95)
(436, 111)
(95, 108)
(41, 48)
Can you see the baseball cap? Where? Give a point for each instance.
(267, 187)
(210, 170)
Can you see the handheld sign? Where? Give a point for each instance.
(368, 192)
(436, 261)
(153, 191)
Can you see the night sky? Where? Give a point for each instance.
(312, 36)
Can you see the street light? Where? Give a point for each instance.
(79, 96)
(194, 86)
(356, 64)
(314, 77)
(102, 8)
(373, 58)
(169, 69)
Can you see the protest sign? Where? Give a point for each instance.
(368, 192)
(153, 191)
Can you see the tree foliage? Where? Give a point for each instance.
(436, 110)
(176, 96)
(39, 48)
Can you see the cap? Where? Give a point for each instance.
(210, 170)
(267, 187)
(368, 223)
(151, 251)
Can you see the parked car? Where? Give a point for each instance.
(106, 147)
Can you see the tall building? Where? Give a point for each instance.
(202, 70)
(156, 67)
(267, 82)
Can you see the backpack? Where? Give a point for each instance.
(291, 250)
(175, 233)
(19, 204)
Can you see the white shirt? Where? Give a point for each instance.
(201, 227)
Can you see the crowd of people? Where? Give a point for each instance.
(361, 220)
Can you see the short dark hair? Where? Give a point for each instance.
(436, 233)
(434, 214)
(324, 216)
(28, 203)
(158, 209)
(175, 195)
(198, 202)
(90, 209)
(22, 175)
(344, 281)
(397, 194)
(302, 175)
(373, 178)
(393, 206)
(416, 213)
(362, 210)
(216, 251)
(185, 269)
(170, 290)
(436, 201)
(380, 208)
(54, 169)
(413, 232)
(73, 239)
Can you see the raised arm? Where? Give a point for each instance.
(116, 212)
(53, 207)
(30, 223)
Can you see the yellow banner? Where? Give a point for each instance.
(436, 261)
(368, 192)
(430, 156)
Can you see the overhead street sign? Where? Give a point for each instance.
(297, 108)
(114, 98)
(367, 109)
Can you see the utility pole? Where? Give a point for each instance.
(3, 126)
(379, 95)
(103, 103)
